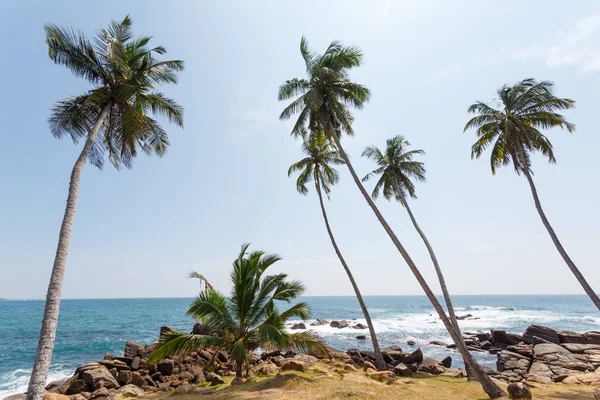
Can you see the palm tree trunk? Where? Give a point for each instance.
(493, 390)
(239, 369)
(442, 280)
(39, 374)
(379, 361)
(538, 205)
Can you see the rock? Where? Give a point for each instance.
(361, 337)
(522, 349)
(18, 396)
(158, 377)
(509, 361)
(500, 338)
(461, 317)
(455, 373)
(410, 342)
(368, 365)
(200, 329)
(214, 379)
(350, 368)
(339, 324)
(580, 348)
(98, 378)
(589, 378)
(596, 394)
(165, 330)
(86, 367)
(438, 343)
(382, 376)
(135, 363)
(267, 368)
(101, 393)
(359, 326)
(483, 337)
(300, 325)
(77, 397)
(54, 386)
(320, 322)
(518, 391)
(542, 332)
(414, 357)
(165, 367)
(186, 376)
(402, 370)
(485, 345)
(54, 396)
(305, 358)
(133, 349)
(340, 355)
(446, 362)
(431, 366)
(124, 377)
(294, 365)
(75, 387)
(199, 378)
(223, 356)
(130, 391)
(187, 388)
(126, 360)
(138, 380)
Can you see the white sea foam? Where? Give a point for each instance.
(16, 381)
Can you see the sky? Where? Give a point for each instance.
(223, 182)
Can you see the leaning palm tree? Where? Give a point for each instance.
(513, 132)
(249, 318)
(322, 102)
(396, 170)
(112, 118)
(202, 279)
(317, 166)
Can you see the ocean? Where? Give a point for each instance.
(89, 328)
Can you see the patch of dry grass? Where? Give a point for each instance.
(333, 385)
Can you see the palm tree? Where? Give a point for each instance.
(322, 102)
(113, 118)
(202, 279)
(317, 167)
(249, 318)
(513, 131)
(396, 169)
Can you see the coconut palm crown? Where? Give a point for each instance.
(396, 168)
(512, 130)
(123, 70)
(322, 99)
(249, 318)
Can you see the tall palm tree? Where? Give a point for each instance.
(322, 102)
(249, 318)
(396, 169)
(317, 166)
(513, 131)
(112, 117)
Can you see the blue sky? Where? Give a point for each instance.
(224, 180)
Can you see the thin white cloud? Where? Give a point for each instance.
(578, 47)
(386, 10)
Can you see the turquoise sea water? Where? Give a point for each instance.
(89, 328)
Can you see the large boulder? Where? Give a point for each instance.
(519, 391)
(200, 329)
(100, 394)
(299, 325)
(267, 368)
(431, 366)
(294, 365)
(589, 378)
(214, 379)
(509, 361)
(402, 370)
(541, 332)
(55, 386)
(305, 358)
(500, 338)
(320, 322)
(581, 338)
(98, 378)
(414, 357)
(339, 324)
(359, 326)
(75, 387)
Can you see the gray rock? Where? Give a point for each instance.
(135, 363)
(76, 387)
(130, 391)
(359, 326)
(308, 359)
(138, 380)
(438, 343)
(519, 391)
(447, 362)
(320, 322)
(124, 377)
(361, 337)
(410, 342)
(339, 324)
(580, 348)
(200, 329)
(431, 366)
(486, 345)
(542, 332)
(214, 379)
(133, 349)
(501, 339)
(597, 394)
(300, 325)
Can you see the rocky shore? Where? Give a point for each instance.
(540, 355)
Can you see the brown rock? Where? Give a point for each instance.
(138, 380)
(124, 377)
(542, 332)
(431, 366)
(339, 324)
(98, 378)
(100, 394)
(519, 391)
(299, 325)
(214, 379)
(368, 365)
(596, 394)
(133, 349)
(166, 367)
(135, 363)
(130, 391)
(54, 396)
(383, 376)
(305, 358)
(402, 370)
(589, 378)
(267, 368)
(76, 387)
(294, 365)
(55, 386)
(186, 376)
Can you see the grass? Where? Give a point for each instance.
(332, 385)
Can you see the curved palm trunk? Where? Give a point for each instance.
(538, 205)
(379, 361)
(492, 390)
(442, 280)
(39, 374)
